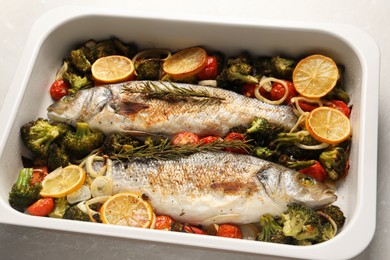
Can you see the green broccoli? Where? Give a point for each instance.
(116, 144)
(83, 141)
(77, 82)
(301, 223)
(262, 132)
(60, 207)
(336, 214)
(80, 61)
(277, 67)
(299, 165)
(22, 193)
(263, 153)
(271, 231)
(237, 71)
(57, 156)
(148, 69)
(334, 161)
(38, 135)
(74, 213)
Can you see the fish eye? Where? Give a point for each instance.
(306, 180)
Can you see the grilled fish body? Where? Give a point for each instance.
(113, 110)
(207, 188)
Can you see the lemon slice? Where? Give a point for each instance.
(185, 63)
(127, 209)
(328, 125)
(112, 69)
(315, 76)
(63, 181)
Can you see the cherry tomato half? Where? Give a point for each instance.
(341, 106)
(278, 91)
(210, 71)
(316, 171)
(41, 207)
(59, 89)
(184, 138)
(235, 136)
(163, 222)
(229, 230)
(209, 139)
(39, 173)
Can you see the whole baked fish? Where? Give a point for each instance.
(221, 187)
(202, 110)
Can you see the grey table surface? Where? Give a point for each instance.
(16, 19)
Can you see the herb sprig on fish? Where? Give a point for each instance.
(171, 91)
(166, 150)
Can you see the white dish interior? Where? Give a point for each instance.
(59, 30)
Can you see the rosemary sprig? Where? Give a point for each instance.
(169, 90)
(167, 150)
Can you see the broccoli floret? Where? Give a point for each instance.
(125, 49)
(262, 131)
(237, 71)
(60, 207)
(277, 67)
(79, 60)
(271, 231)
(116, 144)
(83, 141)
(148, 69)
(283, 67)
(327, 231)
(74, 213)
(298, 165)
(22, 193)
(38, 135)
(334, 161)
(301, 223)
(336, 214)
(263, 153)
(57, 157)
(76, 81)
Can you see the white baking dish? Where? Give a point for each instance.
(58, 31)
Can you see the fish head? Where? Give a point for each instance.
(80, 106)
(285, 186)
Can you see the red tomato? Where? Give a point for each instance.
(209, 139)
(316, 171)
(235, 136)
(41, 207)
(194, 230)
(307, 107)
(58, 89)
(278, 91)
(39, 173)
(341, 106)
(184, 138)
(210, 71)
(229, 230)
(163, 222)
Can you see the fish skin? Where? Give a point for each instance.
(217, 187)
(109, 109)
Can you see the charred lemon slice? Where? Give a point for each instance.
(185, 63)
(315, 76)
(112, 69)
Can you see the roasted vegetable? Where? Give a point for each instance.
(277, 67)
(83, 141)
(301, 223)
(22, 193)
(80, 61)
(237, 71)
(336, 214)
(57, 156)
(117, 144)
(334, 161)
(60, 207)
(74, 213)
(149, 69)
(271, 231)
(39, 134)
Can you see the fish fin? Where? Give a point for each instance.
(223, 218)
(129, 108)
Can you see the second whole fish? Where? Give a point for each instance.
(217, 187)
(121, 108)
